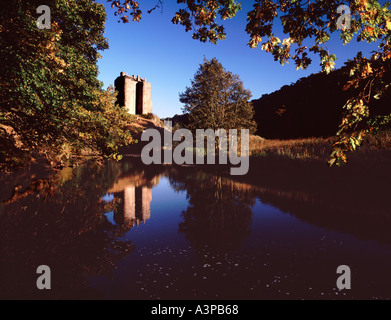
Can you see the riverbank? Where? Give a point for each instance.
(287, 163)
(315, 148)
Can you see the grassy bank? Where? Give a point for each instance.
(309, 148)
(317, 148)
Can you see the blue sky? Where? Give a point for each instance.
(168, 57)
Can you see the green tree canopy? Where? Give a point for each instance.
(50, 98)
(308, 26)
(217, 99)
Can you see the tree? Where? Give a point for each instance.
(217, 100)
(50, 97)
(313, 22)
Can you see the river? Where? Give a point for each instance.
(128, 231)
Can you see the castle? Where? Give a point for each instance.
(134, 93)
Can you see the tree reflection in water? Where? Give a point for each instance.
(60, 222)
(219, 212)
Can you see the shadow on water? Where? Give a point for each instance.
(66, 222)
(353, 199)
(60, 222)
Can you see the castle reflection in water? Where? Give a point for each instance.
(135, 194)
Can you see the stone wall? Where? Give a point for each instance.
(146, 98)
(130, 95)
(134, 93)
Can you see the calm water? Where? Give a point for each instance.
(132, 232)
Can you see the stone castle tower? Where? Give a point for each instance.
(134, 93)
